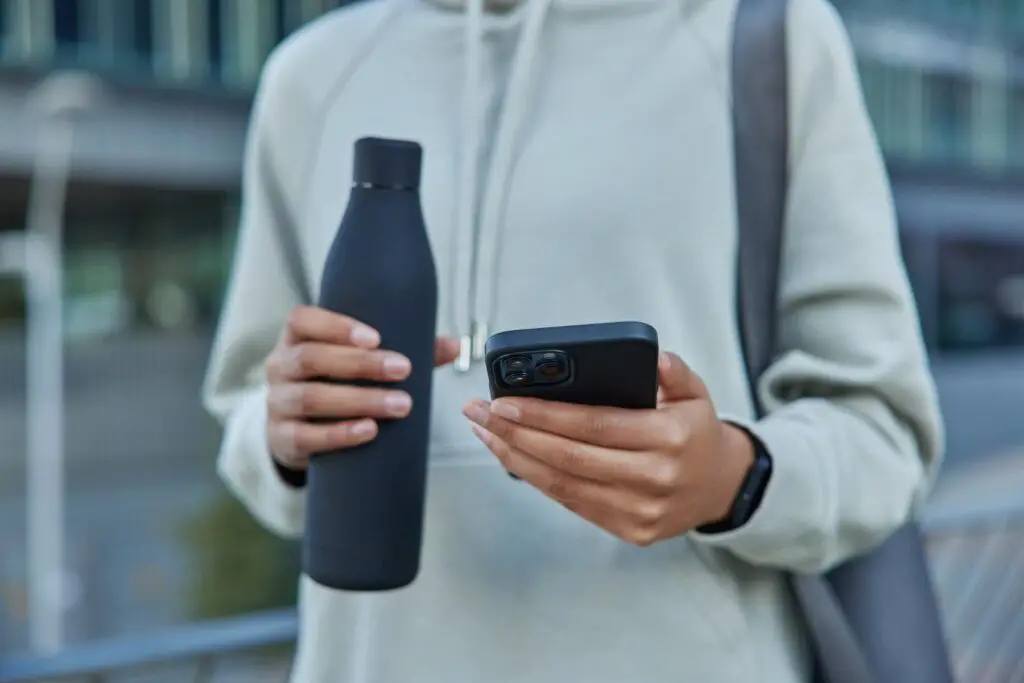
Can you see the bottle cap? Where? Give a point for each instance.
(380, 162)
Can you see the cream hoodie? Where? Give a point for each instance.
(579, 169)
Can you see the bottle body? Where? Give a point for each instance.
(364, 519)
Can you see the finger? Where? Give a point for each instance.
(599, 425)
(553, 483)
(297, 439)
(677, 382)
(310, 323)
(446, 350)
(312, 360)
(323, 400)
(576, 458)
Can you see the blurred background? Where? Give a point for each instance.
(123, 121)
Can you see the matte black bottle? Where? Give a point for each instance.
(364, 519)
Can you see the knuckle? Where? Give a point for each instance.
(372, 365)
(286, 444)
(650, 513)
(597, 426)
(641, 536)
(675, 433)
(308, 398)
(573, 456)
(304, 440)
(305, 359)
(296, 317)
(279, 446)
(340, 436)
(281, 400)
(666, 476)
(272, 367)
(559, 487)
(505, 431)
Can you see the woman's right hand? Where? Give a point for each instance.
(306, 415)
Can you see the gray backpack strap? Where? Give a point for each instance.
(875, 618)
(760, 95)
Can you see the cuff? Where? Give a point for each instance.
(786, 530)
(251, 473)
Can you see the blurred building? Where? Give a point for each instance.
(153, 205)
(153, 202)
(944, 81)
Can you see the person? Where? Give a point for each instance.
(578, 169)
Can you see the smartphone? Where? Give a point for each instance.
(605, 364)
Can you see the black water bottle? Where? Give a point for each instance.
(364, 517)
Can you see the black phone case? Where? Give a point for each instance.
(611, 364)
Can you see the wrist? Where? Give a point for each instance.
(294, 477)
(752, 485)
(737, 457)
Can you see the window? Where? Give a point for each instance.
(4, 24)
(214, 41)
(1012, 13)
(1016, 134)
(981, 293)
(126, 40)
(872, 77)
(140, 37)
(67, 24)
(948, 102)
(894, 99)
(284, 10)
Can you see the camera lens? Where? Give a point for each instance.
(517, 364)
(551, 369)
(517, 377)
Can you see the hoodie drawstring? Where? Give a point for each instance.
(478, 225)
(468, 181)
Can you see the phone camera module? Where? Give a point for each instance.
(518, 370)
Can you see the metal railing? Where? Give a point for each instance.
(199, 647)
(977, 560)
(977, 557)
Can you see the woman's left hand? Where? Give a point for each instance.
(643, 475)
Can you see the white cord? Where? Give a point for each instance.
(362, 640)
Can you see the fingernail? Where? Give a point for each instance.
(398, 404)
(365, 336)
(506, 410)
(363, 428)
(664, 360)
(397, 367)
(482, 434)
(477, 412)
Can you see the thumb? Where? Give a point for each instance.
(677, 382)
(446, 350)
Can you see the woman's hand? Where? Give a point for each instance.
(643, 475)
(305, 413)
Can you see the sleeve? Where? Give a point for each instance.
(853, 424)
(259, 298)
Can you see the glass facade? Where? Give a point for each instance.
(200, 42)
(943, 79)
(959, 101)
